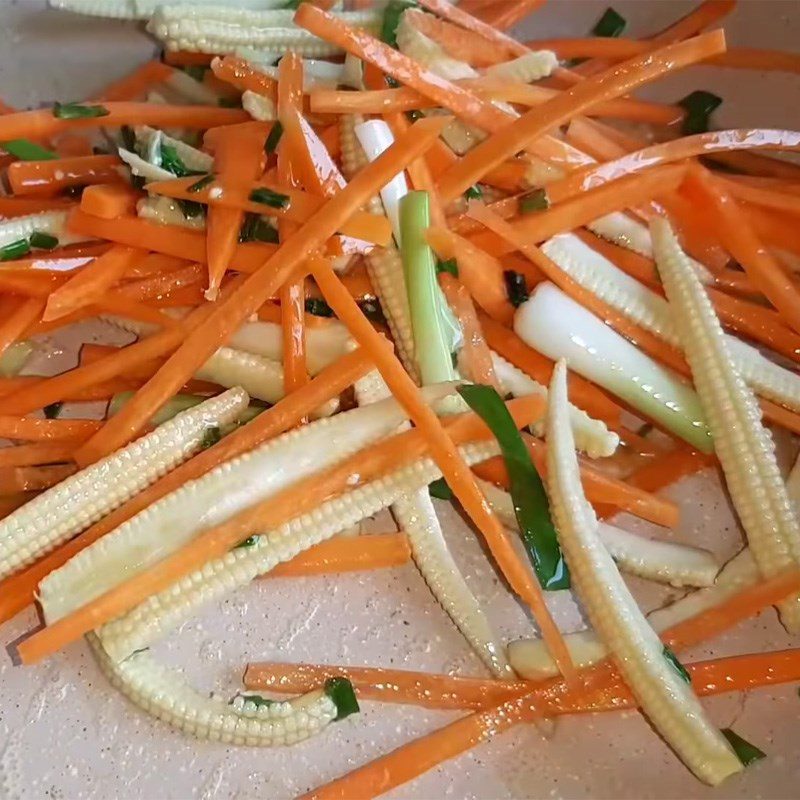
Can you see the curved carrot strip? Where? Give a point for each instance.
(49, 177)
(239, 73)
(504, 14)
(163, 283)
(28, 455)
(706, 14)
(135, 84)
(109, 200)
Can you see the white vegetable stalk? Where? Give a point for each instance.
(188, 90)
(151, 140)
(557, 326)
(598, 275)
(53, 223)
(744, 447)
(143, 9)
(15, 357)
(528, 68)
(85, 497)
(144, 169)
(233, 486)
(259, 107)
(661, 691)
(316, 74)
(167, 211)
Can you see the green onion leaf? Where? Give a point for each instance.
(53, 410)
(340, 690)
(248, 542)
(271, 145)
(256, 229)
(440, 490)
(537, 200)
(318, 307)
(198, 186)
(451, 266)
(530, 500)
(474, 193)
(676, 664)
(391, 19)
(257, 700)
(43, 241)
(699, 106)
(190, 209)
(172, 162)
(516, 287)
(747, 753)
(78, 111)
(610, 25)
(269, 198)
(27, 151)
(372, 310)
(128, 138)
(15, 250)
(211, 436)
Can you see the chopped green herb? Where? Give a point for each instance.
(318, 307)
(229, 102)
(53, 410)
(676, 664)
(196, 71)
(27, 151)
(248, 542)
(172, 162)
(43, 241)
(747, 753)
(257, 700)
(128, 138)
(256, 229)
(269, 198)
(474, 193)
(340, 690)
(391, 19)
(211, 436)
(440, 490)
(699, 106)
(15, 250)
(78, 111)
(516, 287)
(190, 209)
(372, 310)
(198, 186)
(271, 145)
(530, 500)
(536, 200)
(451, 266)
(292, 5)
(138, 650)
(610, 25)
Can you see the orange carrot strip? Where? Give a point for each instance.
(258, 287)
(29, 282)
(33, 479)
(12, 502)
(19, 206)
(88, 285)
(46, 430)
(758, 59)
(18, 591)
(28, 455)
(773, 199)
(162, 284)
(50, 177)
(346, 554)
(239, 73)
(186, 58)
(109, 200)
(706, 14)
(111, 303)
(98, 391)
(135, 85)
(13, 326)
(154, 264)
(298, 498)
(505, 14)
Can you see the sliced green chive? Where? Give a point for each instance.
(530, 500)
(340, 690)
(27, 151)
(699, 106)
(372, 310)
(256, 229)
(271, 145)
(198, 186)
(451, 266)
(440, 490)
(391, 19)
(516, 287)
(746, 752)
(536, 200)
(53, 410)
(673, 661)
(78, 111)
(610, 25)
(474, 193)
(248, 542)
(190, 209)
(211, 436)
(319, 308)
(43, 241)
(172, 162)
(269, 198)
(15, 250)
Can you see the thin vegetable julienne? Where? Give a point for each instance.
(527, 490)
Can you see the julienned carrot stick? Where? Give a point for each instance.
(50, 177)
(28, 455)
(88, 285)
(98, 391)
(347, 554)
(46, 430)
(706, 14)
(33, 478)
(109, 200)
(505, 14)
(19, 206)
(186, 58)
(773, 199)
(444, 452)
(136, 84)
(295, 500)
(411, 760)
(42, 124)
(258, 287)
(160, 284)
(113, 303)
(12, 502)
(18, 591)
(239, 73)
(12, 328)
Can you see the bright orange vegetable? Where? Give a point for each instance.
(239, 73)
(33, 478)
(109, 200)
(501, 14)
(135, 85)
(51, 177)
(19, 206)
(46, 430)
(708, 13)
(163, 283)
(186, 58)
(14, 326)
(28, 455)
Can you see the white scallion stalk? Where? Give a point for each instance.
(142, 168)
(744, 447)
(663, 693)
(143, 9)
(188, 90)
(557, 326)
(53, 223)
(167, 211)
(15, 357)
(531, 67)
(259, 107)
(152, 139)
(316, 74)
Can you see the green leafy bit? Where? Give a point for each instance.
(211, 436)
(172, 162)
(451, 266)
(527, 491)
(43, 241)
(269, 198)
(699, 106)
(340, 690)
(516, 287)
(318, 307)
(673, 661)
(53, 410)
(610, 25)
(474, 193)
(257, 700)
(440, 490)
(250, 541)
(746, 752)
(25, 150)
(191, 209)
(372, 310)
(78, 111)
(198, 186)
(271, 145)
(15, 250)
(537, 200)
(256, 229)
(391, 19)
